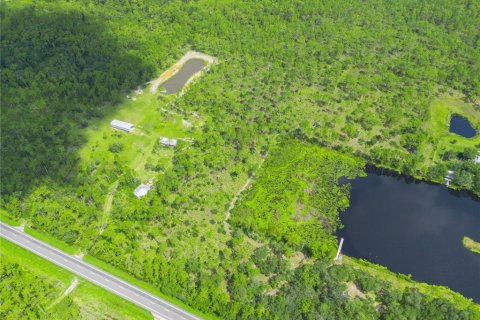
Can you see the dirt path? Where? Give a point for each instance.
(107, 207)
(235, 198)
(178, 65)
(70, 288)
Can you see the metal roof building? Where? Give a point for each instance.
(142, 190)
(168, 142)
(121, 125)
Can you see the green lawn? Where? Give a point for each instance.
(94, 302)
(151, 121)
(438, 127)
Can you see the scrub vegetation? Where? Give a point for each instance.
(318, 89)
(297, 197)
(34, 288)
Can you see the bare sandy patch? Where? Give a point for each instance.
(353, 291)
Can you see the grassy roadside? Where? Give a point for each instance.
(471, 244)
(145, 286)
(52, 241)
(6, 218)
(94, 302)
(401, 282)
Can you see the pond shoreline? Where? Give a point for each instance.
(177, 66)
(414, 227)
(382, 171)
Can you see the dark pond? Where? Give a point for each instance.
(414, 228)
(176, 83)
(461, 126)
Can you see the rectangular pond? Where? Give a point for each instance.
(176, 82)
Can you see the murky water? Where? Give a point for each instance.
(176, 83)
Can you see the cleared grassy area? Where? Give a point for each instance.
(471, 244)
(94, 302)
(402, 281)
(141, 284)
(438, 127)
(145, 111)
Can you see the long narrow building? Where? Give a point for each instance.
(122, 125)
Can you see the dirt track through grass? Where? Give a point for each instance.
(235, 198)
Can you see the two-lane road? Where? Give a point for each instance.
(160, 308)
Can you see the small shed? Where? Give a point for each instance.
(142, 190)
(122, 125)
(168, 142)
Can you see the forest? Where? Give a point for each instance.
(304, 95)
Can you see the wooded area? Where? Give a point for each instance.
(321, 87)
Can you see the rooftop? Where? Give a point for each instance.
(142, 190)
(122, 125)
(168, 142)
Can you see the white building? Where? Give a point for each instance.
(168, 142)
(142, 190)
(477, 159)
(121, 125)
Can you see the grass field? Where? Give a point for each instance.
(440, 139)
(151, 121)
(94, 302)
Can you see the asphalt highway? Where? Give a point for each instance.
(160, 308)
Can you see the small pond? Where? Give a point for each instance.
(415, 228)
(462, 127)
(178, 80)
